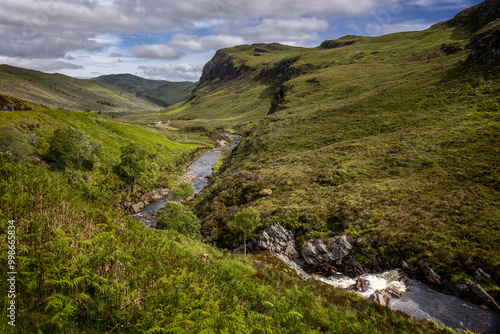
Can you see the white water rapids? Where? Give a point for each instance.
(422, 302)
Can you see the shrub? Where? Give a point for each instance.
(14, 142)
(72, 148)
(175, 217)
(183, 191)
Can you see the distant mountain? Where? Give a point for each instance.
(63, 92)
(160, 92)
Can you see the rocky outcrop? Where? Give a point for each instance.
(294, 266)
(221, 66)
(478, 16)
(476, 293)
(316, 253)
(277, 240)
(331, 44)
(383, 297)
(485, 45)
(333, 256)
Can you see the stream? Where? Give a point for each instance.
(418, 300)
(196, 174)
(422, 302)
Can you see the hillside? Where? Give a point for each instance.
(160, 92)
(63, 92)
(390, 143)
(391, 140)
(85, 266)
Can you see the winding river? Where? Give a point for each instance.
(418, 300)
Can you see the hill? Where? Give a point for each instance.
(391, 140)
(63, 92)
(160, 92)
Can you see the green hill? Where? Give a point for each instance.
(63, 92)
(160, 92)
(392, 140)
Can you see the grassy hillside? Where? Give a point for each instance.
(84, 266)
(392, 140)
(63, 92)
(160, 92)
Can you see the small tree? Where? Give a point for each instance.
(183, 191)
(72, 147)
(246, 222)
(14, 142)
(175, 217)
(133, 162)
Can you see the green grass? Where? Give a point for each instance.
(85, 267)
(413, 129)
(63, 92)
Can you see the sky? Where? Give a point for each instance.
(172, 40)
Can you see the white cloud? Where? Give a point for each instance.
(172, 72)
(201, 44)
(383, 29)
(155, 51)
(39, 64)
(294, 32)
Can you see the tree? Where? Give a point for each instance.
(175, 217)
(133, 163)
(246, 221)
(72, 147)
(183, 191)
(14, 142)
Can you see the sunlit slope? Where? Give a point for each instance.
(63, 92)
(392, 140)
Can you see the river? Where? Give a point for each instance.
(418, 300)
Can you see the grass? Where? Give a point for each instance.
(413, 130)
(63, 92)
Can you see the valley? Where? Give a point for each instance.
(359, 156)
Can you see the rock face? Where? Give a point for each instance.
(316, 253)
(334, 255)
(485, 45)
(221, 66)
(277, 240)
(478, 295)
(329, 44)
(477, 16)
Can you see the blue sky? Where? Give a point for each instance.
(172, 40)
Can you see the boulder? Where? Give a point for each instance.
(277, 240)
(361, 285)
(265, 192)
(137, 207)
(383, 297)
(316, 253)
(480, 275)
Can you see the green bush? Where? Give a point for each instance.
(175, 217)
(183, 191)
(14, 142)
(73, 148)
(132, 164)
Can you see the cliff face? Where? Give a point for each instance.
(221, 66)
(485, 45)
(477, 16)
(483, 21)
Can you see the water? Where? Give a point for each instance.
(196, 174)
(422, 302)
